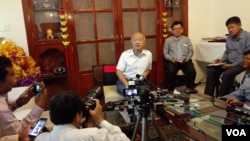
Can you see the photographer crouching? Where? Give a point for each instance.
(66, 112)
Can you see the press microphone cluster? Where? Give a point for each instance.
(146, 81)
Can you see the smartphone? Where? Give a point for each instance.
(37, 127)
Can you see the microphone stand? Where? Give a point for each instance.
(158, 90)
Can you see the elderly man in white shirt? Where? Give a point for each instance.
(133, 62)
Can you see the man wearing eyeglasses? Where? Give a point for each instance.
(177, 52)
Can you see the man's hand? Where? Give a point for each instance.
(25, 97)
(217, 61)
(234, 102)
(42, 98)
(173, 60)
(97, 114)
(24, 136)
(226, 66)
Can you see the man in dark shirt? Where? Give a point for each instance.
(237, 43)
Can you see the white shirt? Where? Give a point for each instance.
(68, 132)
(130, 64)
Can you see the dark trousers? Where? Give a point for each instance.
(228, 76)
(188, 70)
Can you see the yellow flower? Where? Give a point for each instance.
(24, 66)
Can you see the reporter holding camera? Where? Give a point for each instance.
(9, 124)
(132, 62)
(66, 112)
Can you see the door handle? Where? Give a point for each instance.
(117, 39)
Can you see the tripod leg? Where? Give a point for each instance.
(157, 128)
(136, 127)
(144, 129)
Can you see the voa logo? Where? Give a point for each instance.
(236, 132)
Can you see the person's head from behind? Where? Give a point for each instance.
(7, 76)
(66, 108)
(138, 41)
(246, 60)
(177, 28)
(233, 26)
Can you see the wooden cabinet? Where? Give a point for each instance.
(99, 30)
(42, 24)
(177, 10)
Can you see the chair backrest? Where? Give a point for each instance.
(104, 74)
(98, 75)
(109, 74)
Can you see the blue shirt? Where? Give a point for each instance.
(243, 92)
(235, 48)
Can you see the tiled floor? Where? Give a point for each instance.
(200, 88)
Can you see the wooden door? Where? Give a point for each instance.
(139, 15)
(102, 31)
(94, 39)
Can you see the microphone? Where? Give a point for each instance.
(138, 76)
(145, 80)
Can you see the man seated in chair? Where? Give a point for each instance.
(177, 52)
(237, 43)
(241, 96)
(133, 62)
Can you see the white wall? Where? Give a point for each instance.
(207, 17)
(11, 14)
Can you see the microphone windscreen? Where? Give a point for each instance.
(138, 76)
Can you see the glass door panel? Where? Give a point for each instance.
(46, 18)
(84, 26)
(147, 4)
(127, 44)
(103, 4)
(105, 25)
(148, 25)
(95, 32)
(107, 53)
(130, 23)
(151, 45)
(129, 4)
(86, 56)
(82, 4)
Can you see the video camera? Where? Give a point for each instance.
(88, 103)
(95, 93)
(137, 91)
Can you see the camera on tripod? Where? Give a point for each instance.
(130, 92)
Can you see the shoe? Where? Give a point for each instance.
(190, 91)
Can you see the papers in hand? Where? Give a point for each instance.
(215, 64)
